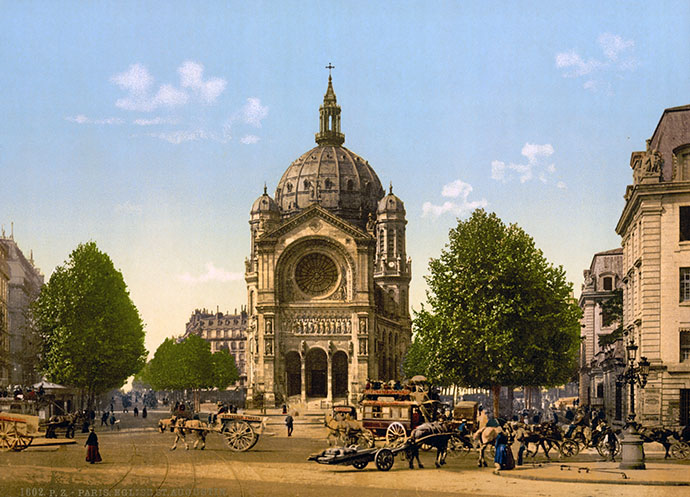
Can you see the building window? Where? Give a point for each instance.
(684, 406)
(600, 390)
(685, 346)
(685, 284)
(608, 283)
(684, 222)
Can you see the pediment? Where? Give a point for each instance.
(313, 217)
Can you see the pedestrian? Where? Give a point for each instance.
(284, 409)
(611, 443)
(111, 420)
(92, 453)
(504, 455)
(143, 412)
(289, 422)
(104, 418)
(136, 412)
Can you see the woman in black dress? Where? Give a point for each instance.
(92, 454)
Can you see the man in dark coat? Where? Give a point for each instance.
(289, 422)
(92, 453)
(143, 412)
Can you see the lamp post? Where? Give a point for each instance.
(632, 451)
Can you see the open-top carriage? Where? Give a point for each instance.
(17, 431)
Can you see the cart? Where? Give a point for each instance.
(383, 457)
(17, 431)
(241, 431)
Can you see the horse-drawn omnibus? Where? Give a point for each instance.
(393, 414)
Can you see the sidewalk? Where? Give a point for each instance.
(604, 472)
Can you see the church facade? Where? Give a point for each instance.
(327, 276)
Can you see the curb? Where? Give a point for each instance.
(606, 482)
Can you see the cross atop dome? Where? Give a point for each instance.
(329, 120)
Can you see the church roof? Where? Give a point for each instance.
(330, 175)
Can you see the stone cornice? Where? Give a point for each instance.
(639, 192)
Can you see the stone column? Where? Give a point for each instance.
(329, 379)
(303, 378)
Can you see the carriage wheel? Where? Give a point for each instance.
(680, 450)
(365, 439)
(605, 452)
(240, 436)
(456, 446)
(395, 434)
(23, 442)
(8, 435)
(360, 463)
(569, 448)
(384, 459)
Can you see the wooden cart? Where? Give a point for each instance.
(241, 431)
(17, 431)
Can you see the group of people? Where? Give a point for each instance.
(19, 392)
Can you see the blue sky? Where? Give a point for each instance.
(151, 127)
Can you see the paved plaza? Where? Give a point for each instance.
(137, 461)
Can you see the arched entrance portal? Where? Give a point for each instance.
(339, 374)
(293, 369)
(316, 366)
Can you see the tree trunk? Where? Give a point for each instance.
(496, 394)
(511, 396)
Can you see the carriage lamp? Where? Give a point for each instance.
(643, 371)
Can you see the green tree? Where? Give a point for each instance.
(612, 312)
(499, 313)
(224, 369)
(92, 336)
(189, 365)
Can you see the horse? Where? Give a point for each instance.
(485, 437)
(199, 430)
(440, 434)
(658, 434)
(545, 436)
(346, 431)
(66, 421)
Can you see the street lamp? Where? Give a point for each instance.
(632, 452)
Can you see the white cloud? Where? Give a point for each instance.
(575, 64)
(212, 273)
(136, 79)
(156, 121)
(128, 208)
(498, 170)
(82, 119)
(180, 136)
(613, 45)
(253, 112)
(249, 139)
(561, 185)
(616, 57)
(533, 151)
(191, 76)
(456, 189)
(536, 165)
(138, 83)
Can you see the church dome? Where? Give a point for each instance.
(390, 204)
(330, 174)
(264, 204)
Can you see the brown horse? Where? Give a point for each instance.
(437, 434)
(660, 435)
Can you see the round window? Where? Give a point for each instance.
(316, 274)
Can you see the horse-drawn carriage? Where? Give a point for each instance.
(393, 414)
(17, 431)
(241, 431)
